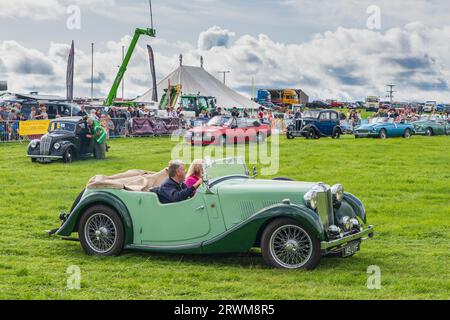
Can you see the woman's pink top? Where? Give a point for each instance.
(190, 181)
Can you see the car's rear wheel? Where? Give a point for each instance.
(68, 156)
(429, 132)
(383, 134)
(407, 134)
(336, 133)
(285, 244)
(101, 232)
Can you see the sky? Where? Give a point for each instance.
(332, 49)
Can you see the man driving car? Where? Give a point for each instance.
(174, 189)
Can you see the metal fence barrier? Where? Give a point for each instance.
(9, 131)
(145, 127)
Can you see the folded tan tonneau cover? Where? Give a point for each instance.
(133, 180)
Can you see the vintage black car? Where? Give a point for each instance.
(316, 124)
(63, 142)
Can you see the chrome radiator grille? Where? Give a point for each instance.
(325, 208)
(46, 143)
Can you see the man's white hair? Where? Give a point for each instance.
(174, 165)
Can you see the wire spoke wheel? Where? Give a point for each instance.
(100, 233)
(291, 246)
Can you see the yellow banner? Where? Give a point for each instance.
(34, 127)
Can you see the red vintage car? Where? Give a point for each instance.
(221, 130)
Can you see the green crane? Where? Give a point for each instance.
(123, 68)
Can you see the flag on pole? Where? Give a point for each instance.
(153, 72)
(70, 71)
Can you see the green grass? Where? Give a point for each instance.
(405, 185)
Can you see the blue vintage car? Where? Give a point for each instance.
(316, 124)
(384, 128)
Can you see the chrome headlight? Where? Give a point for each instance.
(335, 232)
(338, 193)
(33, 144)
(355, 222)
(57, 146)
(347, 223)
(311, 199)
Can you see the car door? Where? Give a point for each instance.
(242, 134)
(440, 127)
(325, 124)
(232, 131)
(175, 223)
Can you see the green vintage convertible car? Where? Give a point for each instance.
(432, 126)
(294, 223)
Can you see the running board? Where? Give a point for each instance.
(70, 239)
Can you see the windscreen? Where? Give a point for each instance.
(225, 167)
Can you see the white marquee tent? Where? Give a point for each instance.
(194, 80)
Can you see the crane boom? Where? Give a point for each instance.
(123, 68)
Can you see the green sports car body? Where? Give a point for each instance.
(432, 127)
(294, 223)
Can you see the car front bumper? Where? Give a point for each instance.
(341, 243)
(44, 157)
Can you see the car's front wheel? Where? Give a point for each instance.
(68, 156)
(311, 134)
(429, 132)
(383, 134)
(101, 232)
(287, 245)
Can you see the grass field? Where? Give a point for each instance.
(405, 185)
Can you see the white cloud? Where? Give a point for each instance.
(343, 64)
(214, 37)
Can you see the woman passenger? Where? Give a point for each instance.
(195, 173)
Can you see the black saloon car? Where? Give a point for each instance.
(64, 141)
(316, 124)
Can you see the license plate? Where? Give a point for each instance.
(351, 249)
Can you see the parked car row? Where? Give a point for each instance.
(325, 123)
(384, 128)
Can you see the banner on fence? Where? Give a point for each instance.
(35, 127)
(154, 126)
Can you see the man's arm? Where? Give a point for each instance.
(177, 196)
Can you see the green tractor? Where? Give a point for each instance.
(188, 102)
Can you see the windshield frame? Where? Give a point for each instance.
(216, 169)
(308, 114)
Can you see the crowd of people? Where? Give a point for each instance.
(409, 115)
(11, 115)
(117, 121)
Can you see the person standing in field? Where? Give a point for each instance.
(99, 137)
